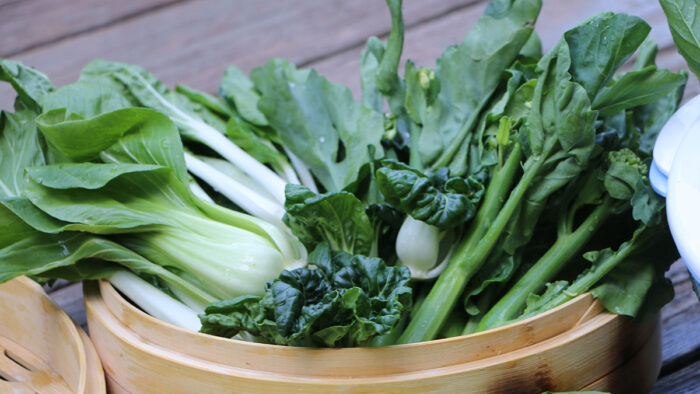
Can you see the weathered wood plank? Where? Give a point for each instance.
(70, 298)
(425, 43)
(681, 329)
(193, 43)
(686, 380)
(31, 23)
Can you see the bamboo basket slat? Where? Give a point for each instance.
(41, 349)
(357, 361)
(567, 348)
(630, 377)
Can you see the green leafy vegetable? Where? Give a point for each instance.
(338, 219)
(318, 121)
(437, 199)
(347, 300)
(684, 20)
(31, 85)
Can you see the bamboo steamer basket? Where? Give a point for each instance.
(41, 349)
(572, 347)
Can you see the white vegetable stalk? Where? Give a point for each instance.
(202, 132)
(199, 192)
(306, 178)
(246, 198)
(225, 167)
(418, 248)
(154, 302)
(231, 152)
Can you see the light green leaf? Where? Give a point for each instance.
(20, 147)
(239, 90)
(31, 85)
(130, 135)
(83, 175)
(336, 218)
(319, 122)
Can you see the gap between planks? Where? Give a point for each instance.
(64, 20)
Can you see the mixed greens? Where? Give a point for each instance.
(498, 185)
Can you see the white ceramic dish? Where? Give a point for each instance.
(675, 174)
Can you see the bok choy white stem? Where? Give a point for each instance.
(155, 302)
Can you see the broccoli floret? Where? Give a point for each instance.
(625, 171)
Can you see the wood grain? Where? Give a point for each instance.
(684, 381)
(32, 23)
(193, 43)
(39, 344)
(135, 361)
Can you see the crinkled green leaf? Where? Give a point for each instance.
(437, 200)
(336, 218)
(347, 300)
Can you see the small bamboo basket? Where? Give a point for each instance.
(41, 349)
(575, 346)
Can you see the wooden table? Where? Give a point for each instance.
(192, 42)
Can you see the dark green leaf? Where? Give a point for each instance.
(346, 301)
(468, 74)
(684, 20)
(601, 45)
(637, 88)
(437, 200)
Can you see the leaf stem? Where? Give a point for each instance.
(473, 250)
(511, 304)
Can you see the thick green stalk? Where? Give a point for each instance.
(589, 278)
(566, 246)
(387, 74)
(473, 250)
